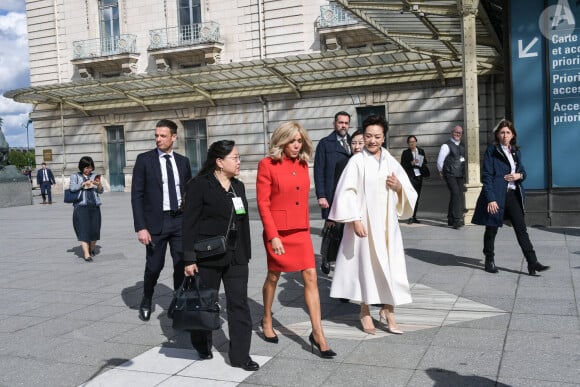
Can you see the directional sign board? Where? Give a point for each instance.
(545, 57)
(559, 24)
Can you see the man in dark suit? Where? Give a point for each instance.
(330, 150)
(45, 180)
(159, 178)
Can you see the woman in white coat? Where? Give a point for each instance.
(373, 192)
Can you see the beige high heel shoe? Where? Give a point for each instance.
(385, 322)
(366, 320)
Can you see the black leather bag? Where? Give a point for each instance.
(331, 237)
(425, 172)
(196, 306)
(72, 197)
(210, 247)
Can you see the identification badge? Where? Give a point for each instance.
(239, 206)
(462, 159)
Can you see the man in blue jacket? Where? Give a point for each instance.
(330, 150)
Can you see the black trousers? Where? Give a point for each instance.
(45, 190)
(155, 257)
(514, 212)
(456, 200)
(417, 183)
(235, 279)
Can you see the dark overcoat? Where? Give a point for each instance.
(495, 166)
(328, 153)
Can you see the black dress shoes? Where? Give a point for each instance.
(537, 266)
(205, 355)
(250, 365)
(490, 267)
(145, 309)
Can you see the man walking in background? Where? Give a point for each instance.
(45, 179)
(451, 166)
(330, 150)
(159, 178)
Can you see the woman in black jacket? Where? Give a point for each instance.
(414, 162)
(215, 204)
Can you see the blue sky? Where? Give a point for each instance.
(14, 71)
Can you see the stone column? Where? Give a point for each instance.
(468, 10)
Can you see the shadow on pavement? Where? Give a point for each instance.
(445, 378)
(444, 259)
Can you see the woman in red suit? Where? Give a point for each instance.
(282, 189)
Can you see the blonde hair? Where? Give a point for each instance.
(284, 135)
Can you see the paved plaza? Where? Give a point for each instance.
(64, 322)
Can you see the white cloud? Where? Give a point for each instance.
(14, 71)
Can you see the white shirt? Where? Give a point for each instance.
(162, 161)
(506, 151)
(443, 153)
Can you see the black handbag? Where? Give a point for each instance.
(196, 306)
(210, 247)
(72, 197)
(213, 246)
(331, 237)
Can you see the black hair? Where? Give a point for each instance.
(217, 150)
(375, 120)
(357, 132)
(86, 161)
(410, 137)
(167, 124)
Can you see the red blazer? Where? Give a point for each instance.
(282, 194)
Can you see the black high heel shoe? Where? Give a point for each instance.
(536, 266)
(328, 354)
(273, 339)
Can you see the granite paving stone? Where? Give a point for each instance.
(68, 323)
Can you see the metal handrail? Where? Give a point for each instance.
(111, 45)
(185, 35)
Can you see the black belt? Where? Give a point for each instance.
(173, 213)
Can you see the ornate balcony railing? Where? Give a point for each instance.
(186, 35)
(113, 45)
(334, 16)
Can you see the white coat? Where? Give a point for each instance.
(372, 269)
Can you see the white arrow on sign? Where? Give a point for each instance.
(525, 52)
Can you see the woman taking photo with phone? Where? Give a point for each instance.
(87, 211)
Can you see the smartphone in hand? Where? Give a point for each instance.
(97, 179)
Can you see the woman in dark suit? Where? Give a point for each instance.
(214, 202)
(416, 169)
(282, 187)
(502, 196)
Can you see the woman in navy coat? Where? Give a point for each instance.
(502, 196)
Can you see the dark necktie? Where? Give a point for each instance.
(171, 183)
(345, 145)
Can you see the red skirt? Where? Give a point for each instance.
(298, 252)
